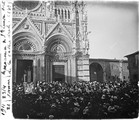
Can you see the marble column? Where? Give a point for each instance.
(47, 67)
(73, 67)
(34, 71)
(14, 70)
(43, 67)
(68, 71)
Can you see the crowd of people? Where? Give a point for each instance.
(80, 100)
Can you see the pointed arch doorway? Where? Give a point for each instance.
(58, 60)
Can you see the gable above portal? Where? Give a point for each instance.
(58, 28)
(28, 26)
(38, 25)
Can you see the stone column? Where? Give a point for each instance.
(38, 68)
(34, 70)
(73, 68)
(43, 28)
(69, 71)
(63, 15)
(14, 69)
(50, 70)
(42, 68)
(46, 69)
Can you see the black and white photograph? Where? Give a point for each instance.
(72, 59)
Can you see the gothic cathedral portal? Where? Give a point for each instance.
(50, 41)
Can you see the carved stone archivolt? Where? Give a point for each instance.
(59, 43)
(24, 45)
(26, 41)
(58, 48)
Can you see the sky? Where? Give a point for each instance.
(114, 29)
(0, 15)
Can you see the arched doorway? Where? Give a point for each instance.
(96, 72)
(25, 47)
(57, 52)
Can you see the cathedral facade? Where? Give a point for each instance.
(50, 41)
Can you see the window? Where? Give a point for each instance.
(65, 14)
(55, 12)
(62, 14)
(58, 11)
(68, 14)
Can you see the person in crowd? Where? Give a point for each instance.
(80, 100)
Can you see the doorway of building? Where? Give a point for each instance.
(24, 71)
(58, 73)
(96, 72)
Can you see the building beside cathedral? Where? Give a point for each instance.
(50, 44)
(133, 66)
(108, 70)
(50, 41)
